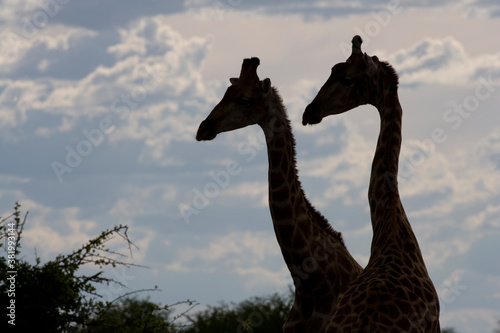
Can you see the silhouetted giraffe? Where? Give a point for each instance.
(394, 293)
(315, 254)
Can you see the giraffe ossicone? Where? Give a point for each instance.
(394, 293)
(315, 254)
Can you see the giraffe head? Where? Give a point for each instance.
(351, 83)
(241, 105)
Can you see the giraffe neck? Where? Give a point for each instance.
(394, 247)
(383, 179)
(315, 254)
(389, 221)
(285, 193)
(298, 226)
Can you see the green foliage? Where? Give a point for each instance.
(257, 314)
(54, 296)
(130, 315)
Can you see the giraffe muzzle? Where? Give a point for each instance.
(311, 115)
(206, 131)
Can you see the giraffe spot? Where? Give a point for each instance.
(403, 305)
(393, 311)
(371, 300)
(371, 312)
(285, 234)
(281, 214)
(392, 282)
(345, 310)
(275, 158)
(299, 241)
(276, 180)
(386, 320)
(398, 262)
(403, 323)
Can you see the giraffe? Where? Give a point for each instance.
(394, 293)
(315, 253)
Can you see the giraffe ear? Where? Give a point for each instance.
(266, 85)
(371, 66)
(233, 80)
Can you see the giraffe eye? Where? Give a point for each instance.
(243, 101)
(346, 81)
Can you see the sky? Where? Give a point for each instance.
(100, 102)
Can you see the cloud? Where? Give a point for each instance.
(488, 150)
(489, 218)
(235, 249)
(448, 180)
(442, 61)
(346, 169)
(140, 201)
(248, 192)
(116, 13)
(141, 94)
(312, 10)
(251, 256)
(69, 231)
(471, 319)
(259, 277)
(483, 8)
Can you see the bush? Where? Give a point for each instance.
(54, 296)
(257, 314)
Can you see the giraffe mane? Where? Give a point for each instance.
(321, 220)
(389, 70)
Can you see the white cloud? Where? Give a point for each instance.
(48, 239)
(142, 201)
(488, 149)
(457, 179)
(16, 45)
(246, 254)
(259, 277)
(235, 249)
(443, 61)
(347, 171)
(489, 217)
(143, 92)
(470, 319)
(247, 192)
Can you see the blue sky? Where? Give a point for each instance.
(100, 102)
